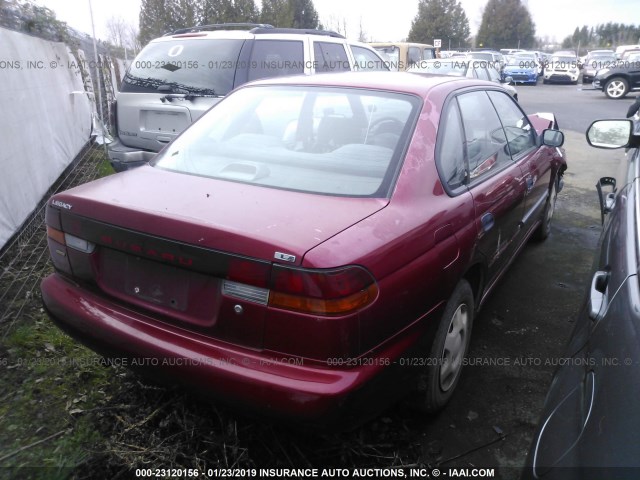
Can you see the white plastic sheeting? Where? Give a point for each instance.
(45, 120)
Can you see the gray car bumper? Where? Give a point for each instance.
(125, 158)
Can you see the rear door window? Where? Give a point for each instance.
(330, 57)
(276, 58)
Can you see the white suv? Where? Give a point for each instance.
(179, 76)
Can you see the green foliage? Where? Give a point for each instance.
(277, 13)
(506, 24)
(29, 17)
(158, 17)
(444, 19)
(304, 14)
(606, 35)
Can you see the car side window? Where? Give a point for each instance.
(482, 73)
(450, 156)
(330, 57)
(414, 55)
(366, 59)
(494, 76)
(275, 58)
(484, 137)
(521, 136)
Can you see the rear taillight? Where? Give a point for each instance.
(322, 292)
(317, 292)
(63, 245)
(70, 241)
(113, 119)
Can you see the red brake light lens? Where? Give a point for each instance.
(322, 292)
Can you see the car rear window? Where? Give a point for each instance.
(186, 65)
(333, 141)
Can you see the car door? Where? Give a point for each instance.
(495, 181)
(535, 162)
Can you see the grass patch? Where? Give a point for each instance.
(50, 383)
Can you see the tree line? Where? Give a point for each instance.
(158, 17)
(505, 23)
(605, 35)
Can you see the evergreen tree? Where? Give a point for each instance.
(153, 19)
(304, 14)
(506, 24)
(443, 19)
(277, 13)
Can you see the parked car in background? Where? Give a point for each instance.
(562, 68)
(401, 56)
(313, 247)
(620, 49)
(532, 58)
(176, 78)
(493, 59)
(597, 60)
(468, 68)
(588, 429)
(521, 70)
(620, 78)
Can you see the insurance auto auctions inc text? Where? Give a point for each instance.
(399, 472)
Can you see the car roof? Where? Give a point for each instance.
(402, 82)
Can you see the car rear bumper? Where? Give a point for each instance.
(125, 158)
(271, 385)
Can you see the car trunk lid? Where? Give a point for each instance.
(198, 251)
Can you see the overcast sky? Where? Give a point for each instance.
(384, 21)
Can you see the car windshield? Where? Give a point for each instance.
(565, 59)
(185, 66)
(522, 62)
(482, 56)
(323, 140)
(631, 56)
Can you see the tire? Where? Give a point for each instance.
(448, 350)
(544, 229)
(545, 81)
(616, 88)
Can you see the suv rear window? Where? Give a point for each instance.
(275, 58)
(188, 65)
(331, 141)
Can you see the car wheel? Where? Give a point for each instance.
(545, 81)
(544, 229)
(616, 88)
(448, 350)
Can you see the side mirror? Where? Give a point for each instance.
(508, 80)
(552, 138)
(610, 133)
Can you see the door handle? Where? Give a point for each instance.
(487, 222)
(529, 183)
(598, 301)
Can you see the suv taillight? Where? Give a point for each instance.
(113, 119)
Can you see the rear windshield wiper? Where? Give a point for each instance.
(189, 92)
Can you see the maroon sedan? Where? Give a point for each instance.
(313, 247)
